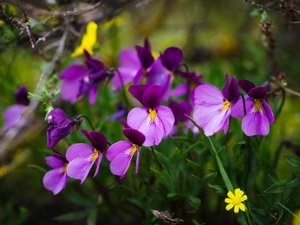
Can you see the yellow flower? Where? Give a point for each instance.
(88, 40)
(235, 200)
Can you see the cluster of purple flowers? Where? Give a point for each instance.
(153, 86)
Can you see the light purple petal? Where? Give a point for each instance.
(93, 95)
(12, 115)
(255, 123)
(156, 73)
(166, 117)
(166, 88)
(79, 168)
(139, 119)
(180, 90)
(268, 111)
(137, 162)
(55, 180)
(117, 148)
(130, 59)
(98, 163)
(211, 118)
(70, 90)
(54, 162)
(56, 116)
(79, 151)
(120, 163)
(207, 94)
(72, 72)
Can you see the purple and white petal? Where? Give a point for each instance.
(79, 151)
(166, 117)
(79, 168)
(137, 162)
(238, 110)
(255, 123)
(208, 95)
(117, 148)
(120, 163)
(55, 162)
(98, 163)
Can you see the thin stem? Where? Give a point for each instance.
(155, 158)
(244, 104)
(123, 86)
(82, 116)
(281, 103)
(248, 217)
(292, 91)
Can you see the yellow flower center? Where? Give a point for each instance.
(64, 169)
(226, 105)
(257, 105)
(133, 149)
(153, 114)
(95, 155)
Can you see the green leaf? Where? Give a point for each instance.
(174, 195)
(218, 188)
(92, 218)
(72, 216)
(189, 149)
(264, 17)
(290, 211)
(278, 187)
(294, 183)
(165, 161)
(165, 178)
(255, 12)
(294, 162)
(193, 164)
(195, 203)
(256, 218)
(273, 180)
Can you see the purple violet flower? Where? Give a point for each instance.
(213, 107)
(82, 156)
(12, 114)
(78, 80)
(61, 126)
(162, 70)
(55, 180)
(133, 65)
(120, 153)
(153, 120)
(258, 113)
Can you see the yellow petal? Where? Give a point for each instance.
(236, 208)
(230, 195)
(228, 200)
(238, 193)
(244, 198)
(229, 206)
(242, 207)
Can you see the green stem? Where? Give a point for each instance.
(155, 158)
(221, 167)
(281, 103)
(248, 217)
(78, 118)
(292, 91)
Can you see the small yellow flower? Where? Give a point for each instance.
(88, 40)
(235, 200)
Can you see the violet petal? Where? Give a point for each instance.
(97, 139)
(258, 92)
(255, 123)
(134, 136)
(171, 58)
(246, 85)
(268, 111)
(55, 180)
(151, 97)
(137, 91)
(79, 168)
(21, 96)
(79, 150)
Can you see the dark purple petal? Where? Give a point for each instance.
(97, 139)
(171, 58)
(246, 85)
(94, 64)
(145, 56)
(258, 92)
(21, 96)
(55, 180)
(56, 116)
(134, 136)
(124, 123)
(151, 97)
(137, 91)
(12, 115)
(72, 72)
(180, 109)
(54, 134)
(231, 90)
